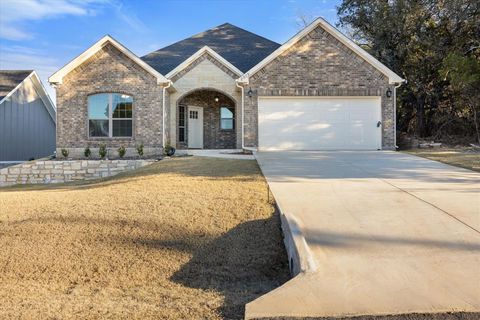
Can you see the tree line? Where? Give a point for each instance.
(435, 46)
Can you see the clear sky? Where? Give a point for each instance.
(46, 34)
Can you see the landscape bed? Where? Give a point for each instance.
(185, 238)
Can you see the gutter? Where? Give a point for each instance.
(242, 111)
(164, 88)
(395, 111)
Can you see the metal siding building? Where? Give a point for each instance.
(27, 117)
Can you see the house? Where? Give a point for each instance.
(228, 88)
(27, 117)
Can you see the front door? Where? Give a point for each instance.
(195, 127)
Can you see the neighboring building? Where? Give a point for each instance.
(27, 117)
(229, 88)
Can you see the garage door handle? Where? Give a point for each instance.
(379, 123)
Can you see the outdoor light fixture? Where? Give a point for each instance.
(388, 93)
(216, 98)
(250, 92)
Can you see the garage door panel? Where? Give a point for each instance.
(319, 123)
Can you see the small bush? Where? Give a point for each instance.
(121, 151)
(87, 152)
(168, 150)
(102, 151)
(65, 153)
(140, 150)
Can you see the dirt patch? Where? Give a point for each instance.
(186, 238)
(464, 157)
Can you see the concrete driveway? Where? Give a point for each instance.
(374, 233)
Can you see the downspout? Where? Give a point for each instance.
(163, 111)
(395, 112)
(242, 112)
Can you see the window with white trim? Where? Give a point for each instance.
(227, 118)
(110, 115)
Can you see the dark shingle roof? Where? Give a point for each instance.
(241, 48)
(10, 79)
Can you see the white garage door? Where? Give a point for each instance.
(313, 123)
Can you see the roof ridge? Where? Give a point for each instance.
(211, 29)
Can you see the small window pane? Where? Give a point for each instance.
(122, 128)
(98, 106)
(121, 106)
(227, 124)
(98, 128)
(181, 134)
(181, 116)
(226, 113)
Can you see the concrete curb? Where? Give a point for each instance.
(300, 257)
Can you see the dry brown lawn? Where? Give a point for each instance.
(187, 238)
(467, 158)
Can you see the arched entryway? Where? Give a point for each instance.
(206, 120)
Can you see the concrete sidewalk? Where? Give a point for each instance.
(376, 233)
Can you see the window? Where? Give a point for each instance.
(110, 115)
(193, 114)
(227, 118)
(181, 123)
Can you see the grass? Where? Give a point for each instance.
(467, 158)
(189, 238)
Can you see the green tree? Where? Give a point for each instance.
(413, 37)
(463, 73)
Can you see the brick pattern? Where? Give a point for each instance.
(43, 172)
(213, 136)
(205, 56)
(109, 70)
(318, 65)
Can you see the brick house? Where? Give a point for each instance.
(227, 88)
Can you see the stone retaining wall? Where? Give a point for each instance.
(43, 172)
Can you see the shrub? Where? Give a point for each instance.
(140, 150)
(65, 153)
(169, 150)
(87, 152)
(102, 151)
(121, 151)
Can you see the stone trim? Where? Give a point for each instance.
(205, 56)
(45, 172)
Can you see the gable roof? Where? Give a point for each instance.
(392, 76)
(197, 55)
(57, 77)
(12, 80)
(241, 48)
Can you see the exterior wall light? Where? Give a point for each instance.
(388, 93)
(216, 98)
(250, 92)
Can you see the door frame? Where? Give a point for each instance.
(200, 117)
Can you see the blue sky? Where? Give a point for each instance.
(46, 34)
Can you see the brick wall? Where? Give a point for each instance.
(109, 70)
(318, 65)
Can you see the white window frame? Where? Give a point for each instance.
(110, 117)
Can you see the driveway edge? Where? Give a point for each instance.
(300, 258)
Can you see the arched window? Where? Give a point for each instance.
(110, 115)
